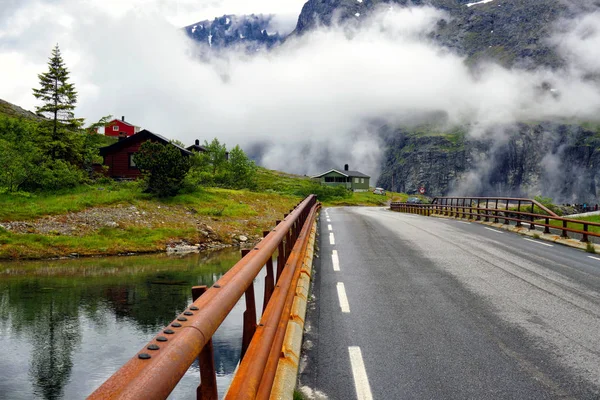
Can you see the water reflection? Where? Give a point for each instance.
(68, 325)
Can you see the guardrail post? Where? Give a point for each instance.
(584, 238)
(471, 214)
(478, 218)
(280, 256)
(564, 232)
(532, 225)
(269, 279)
(487, 212)
(207, 390)
(519, 214)
(506, 221)
(547, 228)
(249, 315)
(496, 220)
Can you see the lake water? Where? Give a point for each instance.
(68, 325)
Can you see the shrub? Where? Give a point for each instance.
(590, 248)
(163, 167)
(55, 175)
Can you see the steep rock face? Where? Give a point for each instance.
(511, 32)
(251, 32)
(553, 160)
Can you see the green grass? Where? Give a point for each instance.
(228, 212)
(578, 226)
(25, 206)
(298, 395)
(590, 248)
(280, 182)
(105, 241)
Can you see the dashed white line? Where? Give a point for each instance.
(493, 230)
(361, 380)
(331, 238)
(463, 222)
(595, 258)
(344, 305)
(535, 241)
(329, 228)
(335, 260)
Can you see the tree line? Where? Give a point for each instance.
(56, 152)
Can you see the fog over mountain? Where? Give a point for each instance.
(323, 97)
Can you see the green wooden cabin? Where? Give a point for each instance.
(352, 180)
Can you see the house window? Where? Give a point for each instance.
(115, 128)
(329, 179)
(340, 180)
(355, 180)
(132, 161)
(362, 180)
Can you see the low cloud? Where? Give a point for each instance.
(313, 103)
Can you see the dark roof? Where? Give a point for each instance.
(353, 174)
(356, 174)
(198, 148)
(121, 121)
(141, 137)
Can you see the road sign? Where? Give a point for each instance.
(422, 190)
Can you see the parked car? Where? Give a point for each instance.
(379, 191)
(414, 200)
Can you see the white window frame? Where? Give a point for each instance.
(115, 128)
(355, 180)
(362, 180)
(131, 160)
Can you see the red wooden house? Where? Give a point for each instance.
(118, 157)
(118, 127)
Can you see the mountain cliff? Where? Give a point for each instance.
(510, 32)
(546, 158)
(251, 32)
(561, 161)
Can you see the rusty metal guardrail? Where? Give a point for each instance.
(157, 368)
(506, 209)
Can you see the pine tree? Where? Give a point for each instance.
(58, 96)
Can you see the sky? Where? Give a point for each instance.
(314, 103)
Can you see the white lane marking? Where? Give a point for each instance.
(331, 238)
(344, 305)
(493, 230)
(463, 222)
(595, 258)
(361, 380)
(535, 241)
(336, 260)
(329, 228)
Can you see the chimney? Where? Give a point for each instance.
(197, 142)
(346, 167)
(123, 118)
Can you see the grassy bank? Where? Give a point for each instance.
(592, 218)
(119, 218)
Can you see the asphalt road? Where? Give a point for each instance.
(429, 308)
